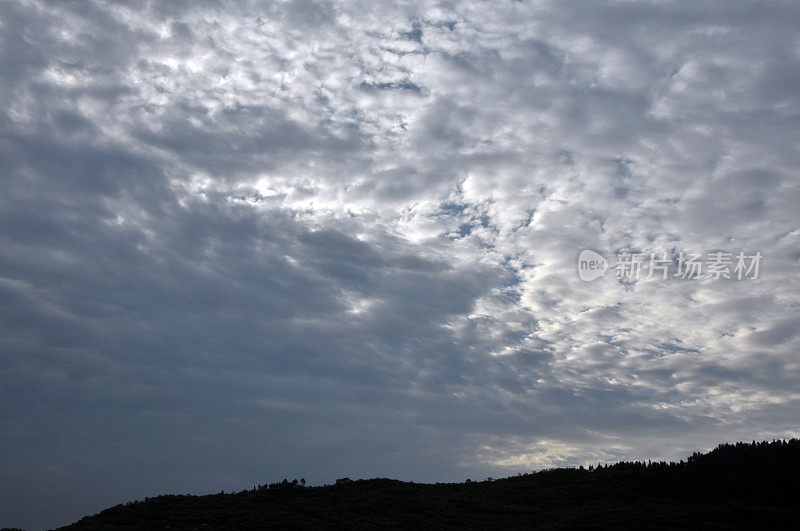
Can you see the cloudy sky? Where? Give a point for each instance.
(255, 240)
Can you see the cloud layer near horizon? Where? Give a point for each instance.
(264, 239)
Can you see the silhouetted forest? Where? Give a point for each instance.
(743, 485)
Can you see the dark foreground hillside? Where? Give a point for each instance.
(732, 487)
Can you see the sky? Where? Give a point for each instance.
(249, 240)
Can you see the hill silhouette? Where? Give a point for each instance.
(735, 486)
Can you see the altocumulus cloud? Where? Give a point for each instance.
(248, 240)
